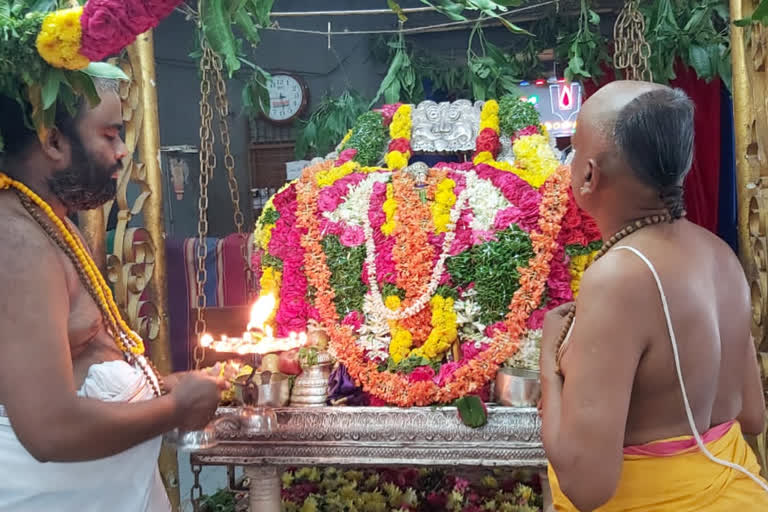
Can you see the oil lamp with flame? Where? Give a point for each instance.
(259, 338)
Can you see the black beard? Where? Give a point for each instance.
(84, 185)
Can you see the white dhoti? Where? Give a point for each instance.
(126, 482)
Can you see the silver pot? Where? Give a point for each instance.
(263, 389)
(311, 387)
(516, 387)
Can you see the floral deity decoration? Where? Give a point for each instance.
(426, 280)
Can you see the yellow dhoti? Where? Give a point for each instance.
(673, 475)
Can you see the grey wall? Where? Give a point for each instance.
(346, 65)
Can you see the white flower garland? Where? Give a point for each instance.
(353, 208)
(421, 302)
(485, 201)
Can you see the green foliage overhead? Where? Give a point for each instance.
(329, 123)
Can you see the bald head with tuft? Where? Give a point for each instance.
(642, 128)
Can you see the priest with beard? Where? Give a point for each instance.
(82, 412)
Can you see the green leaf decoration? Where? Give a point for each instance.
(82, 85)
(515, 115)
(50, 88)
(369, 138)
(218, 32)
(105, 70)
(472, 411)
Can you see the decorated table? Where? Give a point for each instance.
(372, 436)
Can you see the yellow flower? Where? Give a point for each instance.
(401, 123)
(263, 234)
(491, 108)
(489, 482)
(58, 42)
(345, 139)
(443, 332)
(392, 302)
(270, 281)
(400, 346)
(396, 160)
(269, 284)
(441, 208)
(389, 207)
(534, 155)
(331, 176)
(483, 157)
(310, 505)
(489, 116)
(577, 267)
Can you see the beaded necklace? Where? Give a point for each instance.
(124, 337)
(623, 233)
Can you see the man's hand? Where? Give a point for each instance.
(554, 323)
(196, 396)
(228, 373)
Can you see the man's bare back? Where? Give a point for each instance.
(709, 304)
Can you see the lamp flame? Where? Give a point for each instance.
(261, 311)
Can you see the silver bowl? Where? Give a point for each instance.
(193, 440)
(516, 387)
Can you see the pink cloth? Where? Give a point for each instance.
(677, 446)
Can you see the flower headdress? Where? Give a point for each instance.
(49, 56)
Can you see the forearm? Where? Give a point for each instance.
(93, 429)
(551, 399)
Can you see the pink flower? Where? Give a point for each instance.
(470, 351)
(446, 373)
(354, 319)
(104, 30)
(460, 484)
(388, 112)
(111, 25)
(480, 236)
(328, 227)
(528, 130)
(506, 217)
(421, 374)
(352, 237)
(161, 8)
(345, 156)
(528, 203)
(329, 199)
(536, 320)
(491, 330)
(375, 401)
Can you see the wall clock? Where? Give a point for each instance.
(288, 97)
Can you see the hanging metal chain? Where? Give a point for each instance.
(207, 165)
(631, 51)
(196, 494)
(222, 104)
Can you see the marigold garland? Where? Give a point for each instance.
(400, 135)
(389, 207)
(126, 340)
(534, 159)
(445, 198)
(444, 331)
(58, 42)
